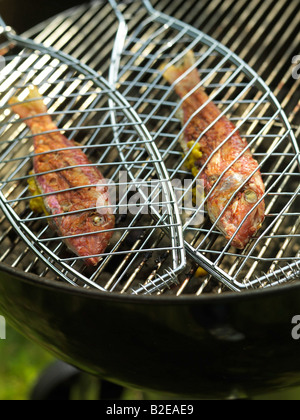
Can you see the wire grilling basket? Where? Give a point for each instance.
(198, 319)
(83, 105)
(146, 254)
(272, 256)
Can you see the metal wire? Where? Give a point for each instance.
(243, 96)
(82, 30)
(82, 103)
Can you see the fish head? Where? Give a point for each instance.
(238, 208)
(88, 234)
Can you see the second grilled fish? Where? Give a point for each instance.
(233, 200)
(86, 232)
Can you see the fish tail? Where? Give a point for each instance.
(181, 75)
(29, 106)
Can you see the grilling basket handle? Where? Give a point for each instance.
(145, 3)
(7, 37)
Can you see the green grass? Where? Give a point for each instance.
(21, 364)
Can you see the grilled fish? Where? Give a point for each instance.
(78, 188)
(234, 202)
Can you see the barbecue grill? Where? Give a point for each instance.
(198, 338)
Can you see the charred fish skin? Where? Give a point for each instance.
(232, 179)
(70, 183)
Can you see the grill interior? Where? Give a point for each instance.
(240, 95)
(82, 106)
(268, 45)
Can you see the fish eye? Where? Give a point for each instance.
(97, 220)
(251, 196)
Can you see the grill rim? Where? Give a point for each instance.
(207, 298)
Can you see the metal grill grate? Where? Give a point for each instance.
(84, 106)
(269, 55)
(241, 95)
